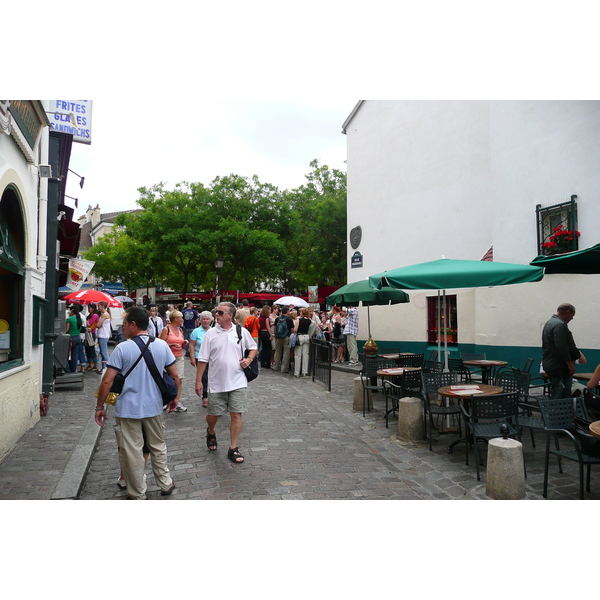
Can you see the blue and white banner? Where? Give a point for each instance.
(72, 116)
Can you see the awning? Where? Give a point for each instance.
(586, 262)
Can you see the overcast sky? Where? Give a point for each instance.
(143, 144)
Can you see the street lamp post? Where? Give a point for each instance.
(218, 266)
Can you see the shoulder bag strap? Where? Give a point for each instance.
(238, 328)
(151, 364)
(142, 348)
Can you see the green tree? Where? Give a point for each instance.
(119, 257)
(318, 228)
(281, 240)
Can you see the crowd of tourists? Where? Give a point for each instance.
(224, 339)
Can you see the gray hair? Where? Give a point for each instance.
(205, 313)
(230, 306)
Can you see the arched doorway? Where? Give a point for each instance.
(12, 278)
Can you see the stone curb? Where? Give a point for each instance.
(71, 482)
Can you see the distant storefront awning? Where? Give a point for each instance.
(586, 262)
(113, 288)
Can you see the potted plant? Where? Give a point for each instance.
(560, 241)
(445, 333)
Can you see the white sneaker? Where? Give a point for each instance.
(180, 408)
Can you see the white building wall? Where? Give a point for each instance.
(20, 387)
(432, 179)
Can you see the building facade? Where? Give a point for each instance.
(472, 180)
(24, 142)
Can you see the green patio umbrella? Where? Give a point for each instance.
(585, 262)
(448, 273)
(360, 292)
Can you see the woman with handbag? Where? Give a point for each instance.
(173, 335)
(303, 343)
(90, 337)
(103, 333)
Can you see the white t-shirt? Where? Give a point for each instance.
(155, 331)
(220, 349)
(141, 395)
(103, 331)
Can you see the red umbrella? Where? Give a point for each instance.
(95, 296)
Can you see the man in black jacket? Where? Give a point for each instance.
(559, 350)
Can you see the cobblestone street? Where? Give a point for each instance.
(299, 442)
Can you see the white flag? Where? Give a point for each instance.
(78, 272)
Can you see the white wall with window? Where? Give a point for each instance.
(428, 179)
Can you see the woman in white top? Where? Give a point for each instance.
(155, 324)
(103, 332)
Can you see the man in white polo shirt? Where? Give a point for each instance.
(227, 384)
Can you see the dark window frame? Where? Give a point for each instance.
(549, 218)
(451, 311)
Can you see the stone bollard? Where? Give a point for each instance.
(358, 396)
(505, 478)
(411, 426)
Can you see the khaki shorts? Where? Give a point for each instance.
(220, 403)
(179, 363)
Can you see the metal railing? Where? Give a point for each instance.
(320, 361)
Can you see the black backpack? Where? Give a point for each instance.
(281, 328)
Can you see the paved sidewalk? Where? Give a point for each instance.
(299, 441)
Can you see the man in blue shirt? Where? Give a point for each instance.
(139, 405)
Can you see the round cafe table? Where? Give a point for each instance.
(396, 371)
(468, 391)
(595, 429)
(486, 366)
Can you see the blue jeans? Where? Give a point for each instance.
(103, 347)
(77, 353)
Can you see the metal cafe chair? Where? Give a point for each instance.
(529, 416)
(486, 417)
(411, 360)
(433, 405)
(410, 387)
(368, 376)
(456, 365)
(433, 366)
(558, 415)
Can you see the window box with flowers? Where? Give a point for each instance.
(562, 240)
(445, 334)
